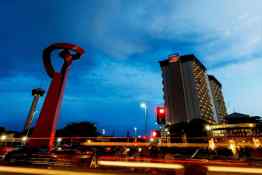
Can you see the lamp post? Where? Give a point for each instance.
(28, 129)
(143, 105)
(135, 129)
(3, 137)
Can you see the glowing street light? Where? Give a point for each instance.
(24, 139)
(256, 142)
(143, 105)
(154, 134)
(103, 131)
(59, 140)
(3, 137)
(208, 128)
(211, 144)
(232, 146)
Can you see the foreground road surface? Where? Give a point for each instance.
(10, 170)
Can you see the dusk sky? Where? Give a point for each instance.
(123, 42)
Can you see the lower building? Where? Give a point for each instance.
(238, 127)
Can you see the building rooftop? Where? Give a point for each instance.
(183, 58)
(212, 77)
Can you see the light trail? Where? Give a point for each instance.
(38, 171)
(180, 166)
(140, 144)
(130, 141)
(140, 164)
(235, 169)
(116, 144)
(202, 162)
(177, 145)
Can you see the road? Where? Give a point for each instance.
(212, 170)
(137, 166)
(11, 170)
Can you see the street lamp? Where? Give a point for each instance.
(143, 105)
(28, 129)
(208, 128)
(59, 140)
(135, 129)
(24, 139)
(103, 132)
(3, 137)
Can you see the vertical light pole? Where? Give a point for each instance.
(135, 129)
(143, 105)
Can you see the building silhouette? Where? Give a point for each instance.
(187, 91)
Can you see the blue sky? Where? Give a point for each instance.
(124, 40)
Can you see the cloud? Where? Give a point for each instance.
(242, 86)
(118, 80)
(214, 30)
(19, 83)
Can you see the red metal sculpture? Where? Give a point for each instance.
(44, 132)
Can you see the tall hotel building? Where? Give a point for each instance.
(216, 89)
(187, 92)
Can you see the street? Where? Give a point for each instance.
(143, 168)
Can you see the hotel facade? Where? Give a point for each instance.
(188, 92)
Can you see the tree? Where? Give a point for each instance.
(197, 130)
(2, 130)
(241, 118)
(177, 131)
(80, 129)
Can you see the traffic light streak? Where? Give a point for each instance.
(235, 169)
(140, 144)
(179, 166)
(38, 171)
(140, 164)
